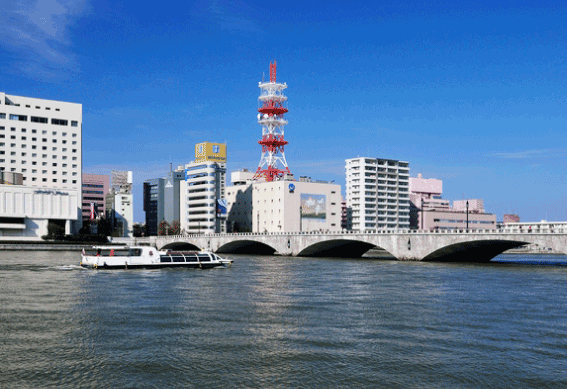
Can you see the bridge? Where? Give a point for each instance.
(416, 245)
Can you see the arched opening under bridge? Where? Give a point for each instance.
(337, 248)
(181, 246)
(246, 247)
(472, 251)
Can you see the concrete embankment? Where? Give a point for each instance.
(42, 247)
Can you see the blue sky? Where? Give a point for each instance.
(473, 93)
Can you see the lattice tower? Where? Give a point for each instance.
(273, 165)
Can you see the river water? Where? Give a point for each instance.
(278, 322)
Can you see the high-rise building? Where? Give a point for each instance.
(203, 189)
(95, 189)
(161, 201)
(41, 140)
(377, 192)
(119, 204)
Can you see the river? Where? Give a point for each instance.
(278, 322)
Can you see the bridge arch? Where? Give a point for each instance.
(472, 251)
(341, 248)
(179, 246)
(246, 247)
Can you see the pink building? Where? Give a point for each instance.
(95, 188)
(509, 218)
(428, 211)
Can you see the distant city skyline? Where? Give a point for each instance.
(469, 93)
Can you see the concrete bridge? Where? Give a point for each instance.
(439, 245)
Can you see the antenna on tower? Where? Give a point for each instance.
(273, 71)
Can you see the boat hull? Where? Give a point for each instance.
(160, 265)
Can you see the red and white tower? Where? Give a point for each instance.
(273, 165)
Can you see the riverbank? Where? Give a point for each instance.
(48, 246)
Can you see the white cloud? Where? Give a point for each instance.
(523, 154)
(36, 33)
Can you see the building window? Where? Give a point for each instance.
(21, 118)
(37, 119)
(74, 123)
(59, 122)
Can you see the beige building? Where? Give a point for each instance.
(283, 206)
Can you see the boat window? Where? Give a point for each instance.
(136, 252)
(165, 258)
(190, 257)
(178, 258)
(204, 258)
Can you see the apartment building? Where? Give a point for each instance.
(377, 192)
(202, 189)
(41, 140)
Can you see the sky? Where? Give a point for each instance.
(472, 93)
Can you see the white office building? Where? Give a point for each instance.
(204, 185)
(377, 192)
(41, 140)
(282, 205)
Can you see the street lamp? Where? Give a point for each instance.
(422, 213)
(467, 205)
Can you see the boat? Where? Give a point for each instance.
(146, 257)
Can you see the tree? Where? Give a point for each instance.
(175, 228)
(163, 228)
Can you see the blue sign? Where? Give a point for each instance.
(291, 188)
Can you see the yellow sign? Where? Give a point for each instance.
(208, 151)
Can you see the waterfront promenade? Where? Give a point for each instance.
(440, 245)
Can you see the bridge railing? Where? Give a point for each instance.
(375, 232)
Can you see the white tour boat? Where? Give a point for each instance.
(132, 257)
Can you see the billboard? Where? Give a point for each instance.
(313, 207)
(207, 151)
(221, 207)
